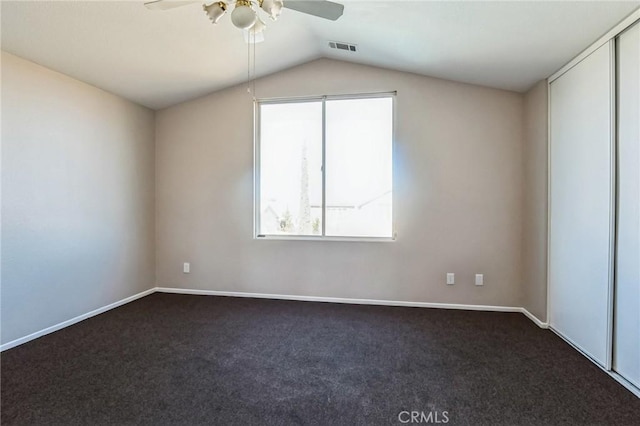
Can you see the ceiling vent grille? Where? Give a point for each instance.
(343, 46)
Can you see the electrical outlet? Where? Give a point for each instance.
(186, 268)
(479, 279)
(451, 278)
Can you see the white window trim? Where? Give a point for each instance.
(256, 166)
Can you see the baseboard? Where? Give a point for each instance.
(534, 318)
(72, 321)
(353, 301)
(344, 300)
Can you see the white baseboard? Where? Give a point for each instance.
(72, 321)
(545, 325)
(351, 301)
(489, 308)
(534, 318)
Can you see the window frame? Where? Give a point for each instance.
(256, 166)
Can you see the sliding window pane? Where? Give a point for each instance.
(291, 169)
(359, 134)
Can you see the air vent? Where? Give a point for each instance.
(342, 46)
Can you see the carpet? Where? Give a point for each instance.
(179, 359)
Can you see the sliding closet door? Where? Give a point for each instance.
(626, 359)
(581, 199)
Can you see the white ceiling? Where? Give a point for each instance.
(160, 58)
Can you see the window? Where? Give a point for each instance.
(324, 167)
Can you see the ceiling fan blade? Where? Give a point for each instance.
(167, 4)
(323, 9)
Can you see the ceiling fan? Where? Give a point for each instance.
(245, 17)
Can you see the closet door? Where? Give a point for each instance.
(581, 205)
(626, 359)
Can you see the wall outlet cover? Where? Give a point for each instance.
(479, 279)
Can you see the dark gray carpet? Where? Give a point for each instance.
(174, 359)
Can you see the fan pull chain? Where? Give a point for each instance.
(251, 76)
(249, 64)
(254, 66)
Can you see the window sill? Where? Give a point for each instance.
(336, 239)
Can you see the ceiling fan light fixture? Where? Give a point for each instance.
(258, 27)
(272, 7)
(215, 10)
(243, 16)
(250, 38)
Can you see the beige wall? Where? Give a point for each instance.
(458, 195)
(535, 201)
(78, 191)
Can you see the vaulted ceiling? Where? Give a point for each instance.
(160, 58)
